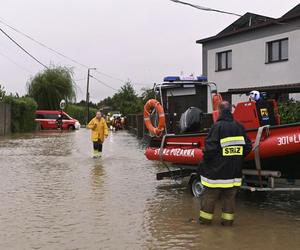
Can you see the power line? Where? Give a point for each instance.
(109, 76)
(33, 57)
(228, 13)
(79, 80)
(103, 83)
(47, 47)
(120, 80)
(15, 63)
(206, 8)
(43, 45)
(61, 54)
(99, 81)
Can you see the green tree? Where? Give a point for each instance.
(289, 111)
(2, 93)
(147, 94)
(50, 86)
(108, 102)
(127, 100)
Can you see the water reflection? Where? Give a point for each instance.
(97, 176)
(258, 224)
(55, 196)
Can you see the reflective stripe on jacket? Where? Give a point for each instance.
(226, 146)
(236, 182)
(98, 131)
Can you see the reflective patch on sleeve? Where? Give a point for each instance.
(231, 141)
(232, 150)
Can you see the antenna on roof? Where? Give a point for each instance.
(250, 21)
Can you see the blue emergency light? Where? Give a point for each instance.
(172, 78)
(202, 78)
(190, 78)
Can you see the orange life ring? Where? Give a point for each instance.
(152, 103)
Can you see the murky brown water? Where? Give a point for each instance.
(53, 195)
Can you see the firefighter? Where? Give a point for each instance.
(99, 133)
(216, 99)
(221, 172)
(108, 119)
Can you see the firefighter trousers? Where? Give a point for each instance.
(210, 197)
(97, 146)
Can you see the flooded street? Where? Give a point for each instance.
(53, 195)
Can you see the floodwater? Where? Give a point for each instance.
(53, 195)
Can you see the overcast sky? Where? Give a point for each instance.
(140, 40)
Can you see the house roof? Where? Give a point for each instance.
(247, 20)
(292, 12)
(283, 88)
(252, 21)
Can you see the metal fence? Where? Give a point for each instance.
(135, 123)
(5, 118)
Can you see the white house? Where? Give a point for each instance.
(255, 52)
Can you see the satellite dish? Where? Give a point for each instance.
(62, 104)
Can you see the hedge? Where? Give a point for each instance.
(289, 111)
(79, 112)
(22, 113)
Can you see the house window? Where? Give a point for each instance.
(278, 51)
(224, 60)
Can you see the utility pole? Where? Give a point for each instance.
(88, 96)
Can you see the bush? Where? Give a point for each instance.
(79, 112)
(289, 111)
(22, 113)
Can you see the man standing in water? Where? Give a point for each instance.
(98, 134)
(226, 146)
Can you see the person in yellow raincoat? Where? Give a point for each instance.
(99, 132)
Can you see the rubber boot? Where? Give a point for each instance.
(95, 154)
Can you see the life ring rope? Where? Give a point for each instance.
(154, 104)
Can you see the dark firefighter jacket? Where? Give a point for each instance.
(226, 146)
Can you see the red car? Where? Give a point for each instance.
(50, 119)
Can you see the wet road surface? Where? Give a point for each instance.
(53, 195)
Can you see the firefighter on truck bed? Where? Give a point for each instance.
(226, 146)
